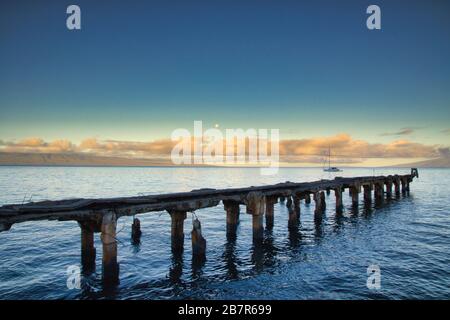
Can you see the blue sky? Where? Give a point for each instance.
(139, 69)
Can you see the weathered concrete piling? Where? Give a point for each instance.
(270, 208)
(289, 205)
(100, 215)
(307, 198)
(367, 193)
(232, 209)
(319, 199)
(136, 231)
(256, 202)
(379, 191)
(177, 230)
(293, 206)
(296, 201)
(339, 203)
(88, 251)
(355, 190)
(397, 186)
(405, 185)
(198, 242)
(110, 267)
(388, 184)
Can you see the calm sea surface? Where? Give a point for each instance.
(408, 238)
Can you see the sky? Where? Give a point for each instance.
(137, 70)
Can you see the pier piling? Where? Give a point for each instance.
(270, 202)
(88, 251)
(232, 210)
(177, 230)
(198, 242)
(256, 202)
(110, 267)
(338, 195)
(136, 231)
(296, 201)
(367, 193)
(294, 210)
(322, 200)
(397, 186)
(289, 204)
(388, 184)
(405, 184)
(379, 191)
(355, 190)
(319, 199)
(307, 198)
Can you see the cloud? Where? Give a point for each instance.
(343, 145)
(130, 148)
(401, 132)
(446, 131)
(38, 145)
(344, 148)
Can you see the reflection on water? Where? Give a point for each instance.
(315, 256)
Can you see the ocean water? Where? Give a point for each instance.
(407, 237)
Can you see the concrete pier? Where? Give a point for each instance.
(100, 215)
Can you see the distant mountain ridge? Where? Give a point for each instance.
(433, 163)
(75, 159)
(82, 159)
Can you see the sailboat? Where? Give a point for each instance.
(330, 168)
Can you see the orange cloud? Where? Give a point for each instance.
(38, 145)
(343, 145)
(158, 147)
(345, 149)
